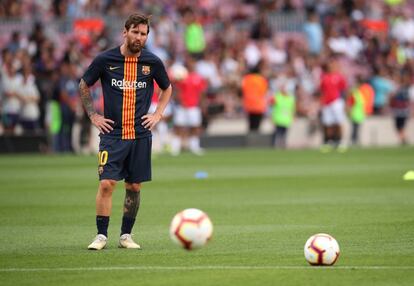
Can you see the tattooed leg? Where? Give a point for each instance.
(131, 203)
(131, 207)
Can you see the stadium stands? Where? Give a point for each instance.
(294, 39)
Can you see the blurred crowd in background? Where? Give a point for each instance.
(47, 45)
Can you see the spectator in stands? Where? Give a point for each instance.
(14, 43)
(403, 27)
(11, 8)
(46, 73)
(401, 105)
(231, 67)
(314, 33)
(252, 54)
(70, 107)
(11, 81)
(307, 104)
(195, 42)
(383, 87)
(260, 29)
(364, 33)
(36, 38)
(348, 44)
(208, 68)
(29, 94)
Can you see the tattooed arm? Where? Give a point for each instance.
(102, 123)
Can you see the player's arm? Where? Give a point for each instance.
(103, 124)
(150, 120)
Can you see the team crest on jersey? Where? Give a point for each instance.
(146, 70)
(100, 170)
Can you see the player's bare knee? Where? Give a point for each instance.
(135, 187)
(107, 186)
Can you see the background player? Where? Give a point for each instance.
(332, 91)
(187, 116)
(127, 75)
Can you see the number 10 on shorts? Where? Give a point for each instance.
(102, 157)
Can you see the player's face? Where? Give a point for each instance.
(136, 37)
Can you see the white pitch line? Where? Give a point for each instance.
(206, 267)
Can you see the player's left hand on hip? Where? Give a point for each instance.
(150, 120)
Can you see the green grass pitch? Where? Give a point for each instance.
(264, 204)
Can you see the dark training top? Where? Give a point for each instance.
(127, 85)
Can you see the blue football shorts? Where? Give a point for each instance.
(125, 159)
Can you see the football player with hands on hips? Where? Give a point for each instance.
(127, 74)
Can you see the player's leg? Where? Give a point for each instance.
(138, 168)
(337, 134)
(282, 137)
(194, 122)
(163, 129)
(328, 120)
(274, 135)
(103, 212)
(194, 141)
(400, 123)
(130, 210)
(354, 133)
(339, 119)
(254, 121)
(111, 157)
(179, 120)
(104, 204)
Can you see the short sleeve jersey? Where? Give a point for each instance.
(191, 89)
(332, 86)
(127, 85)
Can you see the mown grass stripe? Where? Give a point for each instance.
(207, 267)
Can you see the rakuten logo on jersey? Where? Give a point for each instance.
(126, 84)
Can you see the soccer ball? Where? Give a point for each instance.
(191, 229)
(321, 249)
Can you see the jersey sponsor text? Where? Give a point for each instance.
(126, 84)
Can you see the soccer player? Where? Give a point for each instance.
(332, 89)
(127, 75)
(187, 116)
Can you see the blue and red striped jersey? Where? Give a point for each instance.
(127, 85)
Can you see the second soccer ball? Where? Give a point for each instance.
(321, 249)
(191, 228)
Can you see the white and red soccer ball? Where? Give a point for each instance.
(321, 249)
(191, 229)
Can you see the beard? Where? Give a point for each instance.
(134, 48)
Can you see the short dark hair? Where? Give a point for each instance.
(137, 19)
